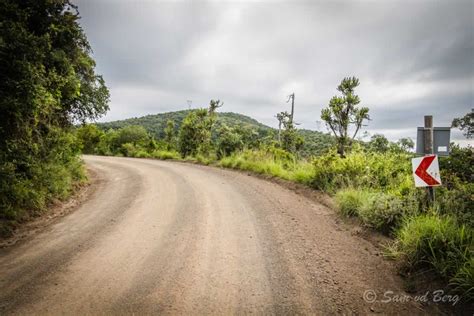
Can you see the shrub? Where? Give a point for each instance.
(205, 159)
(361, 170)
(89, 137)
(228, 142)
(460, 163)
(302, 172)
(349, 201)
(132, 134)
(381, 211)
(165, 154)
(141, 154)
(437, 243)
(272, 161)
(194, 134)
(128, 150)
(52, 174)
(458, 201)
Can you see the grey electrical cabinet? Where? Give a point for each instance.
(441, 140)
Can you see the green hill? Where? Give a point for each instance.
(156, 123)
(315, 142)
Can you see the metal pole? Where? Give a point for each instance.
(292, 107)
(429, 148)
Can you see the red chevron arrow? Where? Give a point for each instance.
(422, 172)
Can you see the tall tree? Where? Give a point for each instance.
(194, 133)
(228, 141)
(213, 106)
(342, 112)
(211, 112)
(465, 124)
(379, 143)
(288, 138)
(89, 136)
(170, 135)
(283, 118)
(406, 144)
(47, 82)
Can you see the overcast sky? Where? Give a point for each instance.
(412, 57)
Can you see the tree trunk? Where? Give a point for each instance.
(341, 149)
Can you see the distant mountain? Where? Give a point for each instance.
(315, 142)
(155, 124)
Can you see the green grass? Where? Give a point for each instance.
(165, 155)
(349, 201)
(267, 164)
(439, 244)
(463, 281)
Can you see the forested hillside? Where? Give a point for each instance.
(315, 142)
(155, 124)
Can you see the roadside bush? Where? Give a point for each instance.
(228, 141)
(141, 154)
(273, 162)
(133, 134)
(457, 201)
(165, 154)
(361, 170)
(302, 172)
(437, 243)
(89, 137)
(128, 150)
(206, 159)
(50, 174)
(349, 201)
(381, 211)
(194, 134)
(460, 163)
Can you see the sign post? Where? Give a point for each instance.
(430, 142)
(429, 149)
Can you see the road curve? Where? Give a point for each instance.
(175, 238)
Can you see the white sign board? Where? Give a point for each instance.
(426, 171)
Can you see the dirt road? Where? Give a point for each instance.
(169, 237)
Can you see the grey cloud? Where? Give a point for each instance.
(253, 54)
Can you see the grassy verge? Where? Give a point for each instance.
(31, 197)
(270, 164)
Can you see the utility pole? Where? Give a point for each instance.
(280, 117)
(190, 102)
(428, 146)
(292, 97)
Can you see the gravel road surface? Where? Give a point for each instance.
(176, 238)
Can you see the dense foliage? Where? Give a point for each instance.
(47, 82)
(252, 133)
(465, 124)
(156, 124)
(377, 187)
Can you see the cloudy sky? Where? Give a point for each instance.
(412, 57)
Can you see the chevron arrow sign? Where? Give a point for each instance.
(426, 171)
